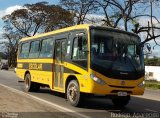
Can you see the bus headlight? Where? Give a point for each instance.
(15, 70)
(96, 79)
(141, 84)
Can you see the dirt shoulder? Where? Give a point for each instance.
(17, 105)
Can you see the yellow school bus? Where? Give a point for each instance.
(83, 60)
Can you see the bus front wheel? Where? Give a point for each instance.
(121, 101)
(73, 93)
(29, 85)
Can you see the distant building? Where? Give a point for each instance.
(152, 73)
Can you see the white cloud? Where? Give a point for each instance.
(1, 31)
(4, 12)
(144, 21)
(155, 52)
(9, 10)
(95, 19)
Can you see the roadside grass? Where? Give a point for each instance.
(152, 84)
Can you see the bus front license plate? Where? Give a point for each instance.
(121, 93)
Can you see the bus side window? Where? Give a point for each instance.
(75, 49)
(24, 52)
(34, 49)
(79, 53)
(46, 48)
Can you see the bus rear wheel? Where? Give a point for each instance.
(121, 101)
(73, 93)
(29, 85)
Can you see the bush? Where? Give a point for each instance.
(152, 62)
(152, 81)
(152, 84)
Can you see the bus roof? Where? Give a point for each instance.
(82, 26)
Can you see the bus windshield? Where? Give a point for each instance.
(116, 51)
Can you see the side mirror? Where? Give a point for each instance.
(81, 40)
(147, 49)
(138, 50)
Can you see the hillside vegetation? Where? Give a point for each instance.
(152, 62)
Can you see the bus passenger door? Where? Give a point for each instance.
(59, 63)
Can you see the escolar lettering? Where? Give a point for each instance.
(34, 66)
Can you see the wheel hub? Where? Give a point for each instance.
(27, 82)
(73, 93)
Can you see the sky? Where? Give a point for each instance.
(8, 3)
(7, 6)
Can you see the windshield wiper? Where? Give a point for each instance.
(131, 62)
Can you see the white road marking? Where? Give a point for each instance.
(55, 106)
(151, 110)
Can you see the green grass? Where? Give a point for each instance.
(152, 84)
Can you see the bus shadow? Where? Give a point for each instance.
(136, 104)
(48, 91)
(98, 104)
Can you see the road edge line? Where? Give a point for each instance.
(55, 106)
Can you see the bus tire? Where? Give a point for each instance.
(121, 101)
(73, 93)
(29, 85)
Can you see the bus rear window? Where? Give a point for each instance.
(24, 50)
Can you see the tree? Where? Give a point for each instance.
(37, 18)
(125, 14)
(119, 13)
(150, 28)
(1, 55)
(11, 46)
(80, 8)
(32, 19)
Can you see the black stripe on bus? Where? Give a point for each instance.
(67, 70)
(44, 67)
(37, 66)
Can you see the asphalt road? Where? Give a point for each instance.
(95, 108)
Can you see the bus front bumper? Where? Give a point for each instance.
(113, 88)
